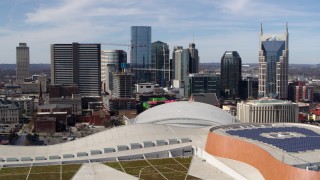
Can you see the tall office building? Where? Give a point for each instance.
(173, 60)
(160, 65)
(230, 74)
(111, 62)
(194, 59)
(273, 65)
(141, 52)
(181, 60)
(77, 64)
(23, 62)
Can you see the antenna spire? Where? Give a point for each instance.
(261, 29)
(287, 31)
(193, 37)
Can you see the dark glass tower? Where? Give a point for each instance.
(230, 74)
(194, 59)
(160, 73)
(141, 53)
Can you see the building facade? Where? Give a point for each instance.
(9, 112)
(194, 59)
(181, 60)
(230, 74)
(23, 62)
(273, 65)
(26, 104)
(267, 110)
(122, 86)
(249, 88)
(300, 92)
(141, 53)
(74, 101)
(202, 83)
(77, 64)
(160, 64)
(111, 62)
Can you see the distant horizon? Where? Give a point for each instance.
(214, 26)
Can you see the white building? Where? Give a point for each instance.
(146, 87)
(267, 110)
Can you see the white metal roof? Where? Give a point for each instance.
(185, 114)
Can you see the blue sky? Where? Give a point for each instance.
(217, 25)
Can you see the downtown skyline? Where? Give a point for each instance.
(214, 26)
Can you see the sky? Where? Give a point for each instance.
(215, 26)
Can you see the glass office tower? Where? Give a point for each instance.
(230, 74)
(160, 64)
(141, 53)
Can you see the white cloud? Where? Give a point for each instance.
(218, 25)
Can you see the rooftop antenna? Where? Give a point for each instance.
(261, 29)
(287, 26)
(193, 37)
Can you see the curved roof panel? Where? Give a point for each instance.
(185, 114)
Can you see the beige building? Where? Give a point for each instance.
(267, 111)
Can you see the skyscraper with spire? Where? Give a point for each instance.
(273, 64)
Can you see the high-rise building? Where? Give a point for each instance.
(77, 64)
(181, 60)
(23, 62)
(160, 65)
(194, 59)
(111, 62)
(141, 52)
(273, 65)
(230, 74)
(122, 85)
(173, 60)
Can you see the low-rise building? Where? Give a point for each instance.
(45, 124)
(74, 101)
(202, 83)
(61, 112)
(267, 110)
(300, 92)
(26, 104)
(145, 87)
(9, 112)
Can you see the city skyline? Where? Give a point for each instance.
(216, 27)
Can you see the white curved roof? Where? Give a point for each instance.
(185, 114)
